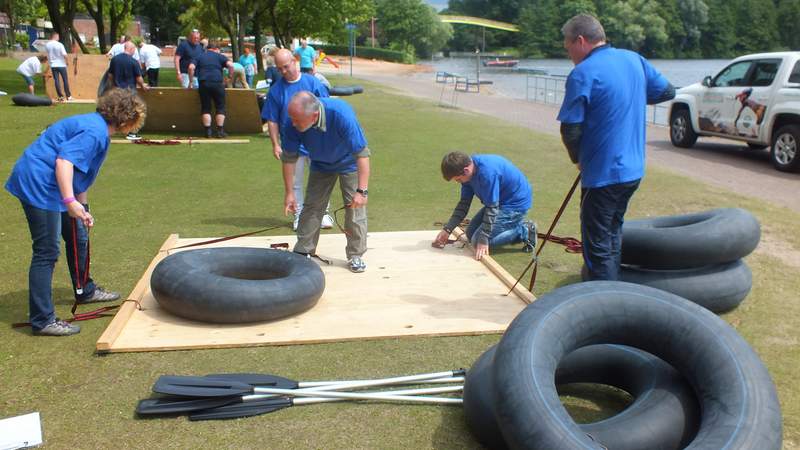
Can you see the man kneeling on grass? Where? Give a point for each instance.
(505, 193)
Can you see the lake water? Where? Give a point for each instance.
(548, 89)
(680, 72)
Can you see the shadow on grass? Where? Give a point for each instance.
(14, 306)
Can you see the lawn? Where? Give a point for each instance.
(145, 193)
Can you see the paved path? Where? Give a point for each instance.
(716, 162)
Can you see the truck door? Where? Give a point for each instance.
(752, 102)
(718, 104)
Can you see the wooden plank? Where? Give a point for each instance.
(178, 110)
(409, 289)
(185, 141)
(498, 270)
(127, 309)
(83, 74)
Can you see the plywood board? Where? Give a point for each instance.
(177, 110)
(409, 289)
(83, 74)
(181, 141)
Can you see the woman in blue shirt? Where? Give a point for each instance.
(248, 61)
(51, 179)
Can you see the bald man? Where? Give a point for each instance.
(124, 72)
(187, 53)
(329, 131)
(275, 113)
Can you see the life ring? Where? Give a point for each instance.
(664, 413)
(236, 285)
(718, 288)
(739, 404)
(690, 240)
(26, 99)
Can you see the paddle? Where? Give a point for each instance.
(248, 408)
(256, 379)
(192, 386)
(179, 404)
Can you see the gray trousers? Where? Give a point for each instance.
(318, 193)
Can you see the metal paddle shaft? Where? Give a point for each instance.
(253, 405)
(192, 386)
(179, 404)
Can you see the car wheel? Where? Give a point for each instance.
(681, 132)
(784, 153)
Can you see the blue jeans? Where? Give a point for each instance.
(250, 79)
(45, 227)
(509, 227)
(602, 215)
(59, 75)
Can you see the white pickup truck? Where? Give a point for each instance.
(755, 99)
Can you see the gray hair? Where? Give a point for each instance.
(584, 25)
(308, 102)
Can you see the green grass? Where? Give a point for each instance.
(145, 193)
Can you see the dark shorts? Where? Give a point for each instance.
(212, 92)
(152, 77)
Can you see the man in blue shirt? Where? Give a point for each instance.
(307, 56)
(505, 193)
(208, 70)
(187, 52)
(330, 132)
(603, 128)
(275, 113)
(124, 72)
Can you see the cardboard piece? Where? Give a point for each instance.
(409, 289)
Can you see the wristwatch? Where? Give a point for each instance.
(362, 191)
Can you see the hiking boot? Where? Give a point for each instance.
(58, 328)
(356, 264)
(101, 295)
(530, 242)
(327, 222)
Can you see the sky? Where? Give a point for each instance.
(438, 4)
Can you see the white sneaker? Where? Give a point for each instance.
(69, 99)
(133, 137)
(327, 222)
(296, 221)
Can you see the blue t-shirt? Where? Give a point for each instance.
(306, 56)
(608, 92)
(189, 53)
(332, 150)
(82, 140)
(497, 182)
(208, 67)
(125, 70)
(276, 108)
(249, 63)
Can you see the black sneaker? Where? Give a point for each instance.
(208, 133)
(101, 295)
(58, 328)
(221, 133)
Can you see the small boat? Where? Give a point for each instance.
(501, 63)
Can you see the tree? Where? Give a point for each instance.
(635, 25)
(788, 18)
(411, 25)
(61, 13)
(539, 34)
(756, 27)
(165, 25)
(95, 9)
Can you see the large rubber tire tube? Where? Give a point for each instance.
(719, 288)
(236, 285)
(26, 99)
(663, 415)
(739, 405)
(690, 240)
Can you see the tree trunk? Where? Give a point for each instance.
(78, 41)
(97, 15)
(116, 17)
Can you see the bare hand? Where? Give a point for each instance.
(481, 250)
(441, 239)
(77, 211)
(277, 151)
(289, 204)
(359, 201)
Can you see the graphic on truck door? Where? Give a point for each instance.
(735, 103)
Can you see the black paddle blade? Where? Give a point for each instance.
(247, 409)
(177, 405)
(256, 380)
(187, 386)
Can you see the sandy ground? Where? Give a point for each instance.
(720, 163)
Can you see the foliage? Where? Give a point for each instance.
(655, 28)
(411, 23)
(365, 52)
(22, 39)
